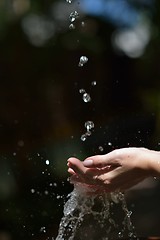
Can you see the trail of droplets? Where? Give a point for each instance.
(89, 125)
(91, 216)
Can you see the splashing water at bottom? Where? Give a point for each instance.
(93, 216)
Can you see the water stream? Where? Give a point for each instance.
(89, 216)
(92, 216)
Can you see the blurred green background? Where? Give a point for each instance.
(42, 113)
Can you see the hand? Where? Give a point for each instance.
(117, 170)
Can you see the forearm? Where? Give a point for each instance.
(154, 163)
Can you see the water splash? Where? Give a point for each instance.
(92, 216)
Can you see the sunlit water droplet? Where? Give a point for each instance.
(101, 148)
(47, 162)
(82, 24)
(72, 26)
(83, 60)
(94, 83)
(83, 208)
(82, 90)
(32, 190)
(43, 229)
(83, 137)
(88, 133)
(86, 97)
(89, 125)
(73, 16)
(120, 234)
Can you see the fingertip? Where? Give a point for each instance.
(72, 159)
(71, 171)
(88, 163)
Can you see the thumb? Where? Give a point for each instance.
(100, 161)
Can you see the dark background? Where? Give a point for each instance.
(42, 113)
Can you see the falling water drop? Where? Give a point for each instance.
(83, 60)
(47, 162)
(82, 24)
(73, 16)
(83, 137)
(32, 190)
(101, 148)
(120, 234)
(88, 133)
(43, 229)
(82, 90)
(94, 83)
(86, 97)
(72, 26)
(89, 125)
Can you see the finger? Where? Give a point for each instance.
(71, 171)
(101, 161)
(90, 175)
(77, 166)
(88, 188)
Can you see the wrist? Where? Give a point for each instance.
(154, 163)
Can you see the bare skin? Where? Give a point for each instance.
(116, 171)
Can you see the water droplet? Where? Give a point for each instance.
(120, 234)
(72, 26)
(43, 229)
(109, 144)
(101, 148)
(32, 190)
(86, 97)
(46, 192)
(88, 133)
(69, 1)
(82, 24)
(83, 137)
(83, 60)
(130, 234)
(94, 83)
(58, 196)
(73, 16)
(89, 125)
(129, 213)
(47, 162)
(14, 154)
(82, 90)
